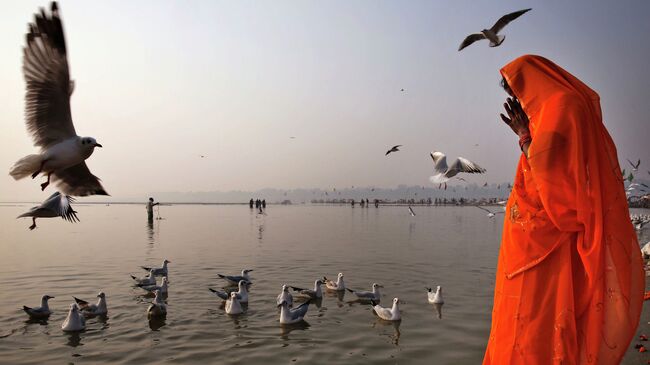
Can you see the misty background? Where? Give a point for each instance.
(160, 83)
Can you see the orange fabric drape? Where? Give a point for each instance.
(570, 280)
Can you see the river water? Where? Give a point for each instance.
(455, 247)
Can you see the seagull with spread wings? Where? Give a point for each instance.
(444, 173)
(492, 33)
(635, 167)
(47, 113)
(57, 205)
(393, 149)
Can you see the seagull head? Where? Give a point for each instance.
(340, 275)
(101, 295)
(233, 295)
(285, 287)
(283, 303)
(74, 308)
(89, 142)
(375, 286)
(46, 297)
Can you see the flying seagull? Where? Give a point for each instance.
(444, 173)
(56, 205)
(635, 167)
(48, 117)
(490, 214)
(411, 212)
(393, 149)
(492, 33)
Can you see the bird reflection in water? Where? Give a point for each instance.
(286, 329)
(157, 322)
(438, 308)
(394, 337)
(260, 232)
(74, 339)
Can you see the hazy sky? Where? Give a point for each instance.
(159, 83)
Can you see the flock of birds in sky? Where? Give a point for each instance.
(63, 153)
(235, 301)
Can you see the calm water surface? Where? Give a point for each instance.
(454, 247)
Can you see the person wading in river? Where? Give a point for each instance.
(570, 281)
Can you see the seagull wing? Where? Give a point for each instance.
(471, 39)
(504, 20)
(78, 181)
(45, 67)
(439, 162)
(61, 205)
(464, 165)
(481, 208)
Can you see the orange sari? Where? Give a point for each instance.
(570, 280)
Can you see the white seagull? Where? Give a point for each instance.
(98, 309)
(159, 271)
(368, 295)
(490, 214)
(315, 293)
(74, 321)
(147, 280)
(338, 285)
(232, 305)
(392, 314)
(444, 173)
(492, 33)
(411, 212)
(235, 279)
(435, 297)
(293, 315)
(285, 296)
(39, 312)
(158, 307)
(57, 205)
(242, 293)
(162, 287)
(48, 118)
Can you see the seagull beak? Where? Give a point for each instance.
(98, 145)
(380, 286)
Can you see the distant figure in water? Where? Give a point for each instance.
(376, 203)
(367, 203)
(250, 203)
(362, 203)
(264, 203)
(150, 205)
(257, 203)
(352, 202)
(569, 281)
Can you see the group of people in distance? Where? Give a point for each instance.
(257, 203)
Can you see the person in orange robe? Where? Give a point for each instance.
(570, 280)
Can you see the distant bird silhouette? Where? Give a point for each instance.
(393, 149)
(444, 173)
(492, 33)
(402, 90)
(635, 167)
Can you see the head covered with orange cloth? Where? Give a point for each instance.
(570, 281)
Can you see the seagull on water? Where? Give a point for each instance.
(315, 293)
(338, 285)
(159, 271)
(444, 173)
(392, 314)
(368, 295)
(39, 312)
(411, 212)
(157, 308)
(492, 33)
(235, 279)
(57, 205)
(49, 120)
(93, 309)
(74, 321)
(232, 305)
(292, 315)
(393, 149)
(285, 296)
(242, 293)
(490, 214)
(162, 287)
(435, 297)
(147, 280)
